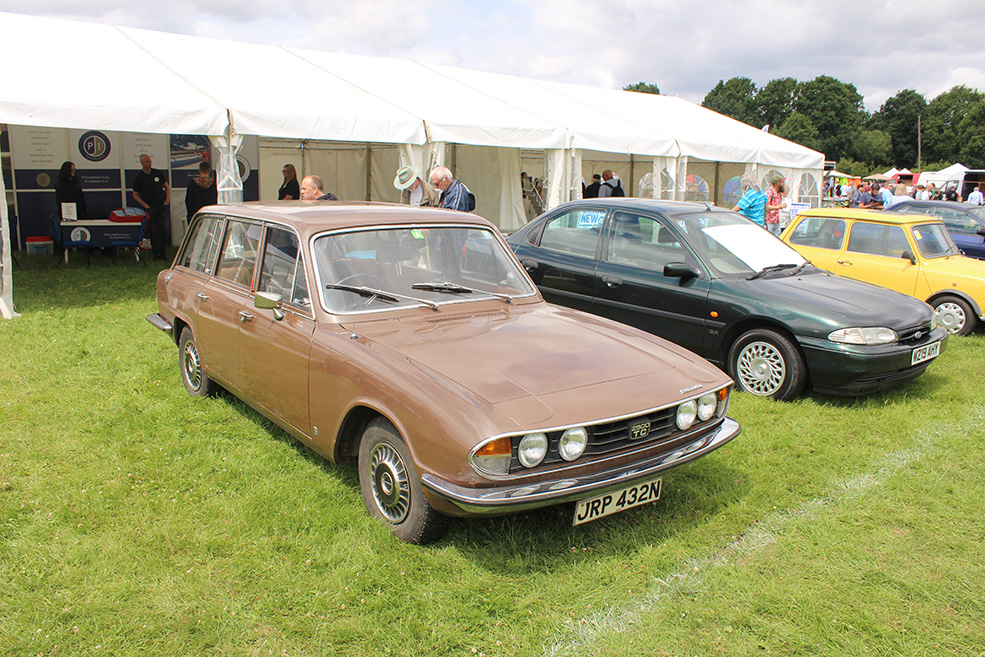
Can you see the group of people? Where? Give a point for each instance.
(603, 186)
(440, 190)
(764, 207)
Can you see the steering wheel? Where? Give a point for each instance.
(375, 281)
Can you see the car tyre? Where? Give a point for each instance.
(197, 382)
(392, 489)
(955, 315)
(766, 363)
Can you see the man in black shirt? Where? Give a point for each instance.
(152, 192)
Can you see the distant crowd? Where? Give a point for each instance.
(877, 196)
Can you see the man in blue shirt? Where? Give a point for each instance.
(752, 205)
(454, 194)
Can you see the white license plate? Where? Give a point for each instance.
(925, 352)
(616, 501)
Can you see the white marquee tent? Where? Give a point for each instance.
(69, 74)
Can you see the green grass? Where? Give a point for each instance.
(136, 520)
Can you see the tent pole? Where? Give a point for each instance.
(6, 280)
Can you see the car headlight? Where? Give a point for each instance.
(707, 405)
(686, 413)
(493, 457)
(871, 335)
(532, 449)
(573, 443)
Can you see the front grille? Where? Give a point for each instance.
(612, 437)
(914, 334)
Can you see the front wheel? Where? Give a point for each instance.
(955, 315)
(197, 382)
(391, 488)
(766, 363)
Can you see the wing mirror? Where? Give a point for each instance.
(269, 301)
(981, 231)
(909, 256)
(680, 270)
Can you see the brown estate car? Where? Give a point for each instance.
(412, 342)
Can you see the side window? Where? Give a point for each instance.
(239, 252)
(956, 221)
(819, 232)
(643, 242)
(575, 232)
(878, 239)
(202, 243)
(283, 269)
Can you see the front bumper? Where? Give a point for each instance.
(511, 499)
(852, 370)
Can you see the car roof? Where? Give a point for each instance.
(942, 204)
(308, 217)
(652, 204)
(878, 216)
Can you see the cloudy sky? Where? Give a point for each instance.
(685, 48)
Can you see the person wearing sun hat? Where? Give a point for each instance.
(414, 190)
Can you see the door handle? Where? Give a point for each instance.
(529, 265)
(203, 296)
(612, 281)
(845, 262)
(245, 316)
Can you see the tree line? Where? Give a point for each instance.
(828, 115)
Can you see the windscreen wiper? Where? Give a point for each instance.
(374, 293)
(454, 288)
(770, 270)
(800, 268)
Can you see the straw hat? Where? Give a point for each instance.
(406, 177)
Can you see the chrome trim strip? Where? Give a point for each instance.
(161, 323)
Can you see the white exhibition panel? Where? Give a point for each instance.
(119, 86)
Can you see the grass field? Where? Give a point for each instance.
(136, 520)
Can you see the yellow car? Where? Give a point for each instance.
(909, 253)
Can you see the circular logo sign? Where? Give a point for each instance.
(94, 146)
(80, 234)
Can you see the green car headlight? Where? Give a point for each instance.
(870, 335)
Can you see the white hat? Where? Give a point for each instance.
(406, 177)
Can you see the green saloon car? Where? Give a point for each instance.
(721, 286)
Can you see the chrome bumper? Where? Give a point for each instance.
(161, 323)
(510, 499)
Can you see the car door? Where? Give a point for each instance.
(630, 285)
(562, 259)
(224, 299)
(276, 343)
(874, 253)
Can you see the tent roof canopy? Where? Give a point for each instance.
(341, 97)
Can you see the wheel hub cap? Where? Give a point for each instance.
(760, 368)
(391, 483)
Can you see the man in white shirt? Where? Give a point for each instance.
(976, 196)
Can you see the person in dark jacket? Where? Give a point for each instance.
(201, 191)
(592, 191)
(68, 190)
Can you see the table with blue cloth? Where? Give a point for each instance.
(99, 232)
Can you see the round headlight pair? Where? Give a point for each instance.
(533, 447)
(702, 409)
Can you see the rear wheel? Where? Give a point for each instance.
(955, 315)
(766, 363)
(197, 382)
(391, 487)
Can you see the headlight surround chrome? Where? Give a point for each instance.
(532, 449)
(573, 443)
(686, 414)
(707, 405)
(869, 336)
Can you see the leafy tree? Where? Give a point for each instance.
(972, 130)
(643, 87)
(942, 138)
(898, 117)
(853, 168)
(735, 98)
(874, 148)
(775, 100)
(835, 109)
(799, 129)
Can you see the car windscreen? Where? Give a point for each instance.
(933, 240)
(377, 269)
(979, 212)
(732, 245)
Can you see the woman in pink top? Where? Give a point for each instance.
(774, 203)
